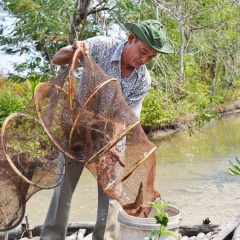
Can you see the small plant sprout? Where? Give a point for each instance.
(162, 219)
(234, 169)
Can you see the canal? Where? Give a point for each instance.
(190, 173)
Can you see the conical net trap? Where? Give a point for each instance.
(86, 118)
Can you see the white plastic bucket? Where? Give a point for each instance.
(134, 228)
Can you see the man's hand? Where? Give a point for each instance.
(65, 54)
(80, 44)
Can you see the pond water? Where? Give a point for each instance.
(190, 174)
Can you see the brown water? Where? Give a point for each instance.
(186, 167)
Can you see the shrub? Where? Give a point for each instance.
(11, 100)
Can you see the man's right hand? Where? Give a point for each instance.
(80, 44)
(65, 54)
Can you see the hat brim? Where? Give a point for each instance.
(132, 27)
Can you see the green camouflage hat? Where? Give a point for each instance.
(152, 33)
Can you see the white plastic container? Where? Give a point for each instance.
(134, 228)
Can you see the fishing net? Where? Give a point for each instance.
(28, 163)
(83, 114)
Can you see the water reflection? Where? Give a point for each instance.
(189, 168)
(217, 139)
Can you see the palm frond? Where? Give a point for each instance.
(234, 169)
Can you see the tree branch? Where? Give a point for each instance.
(81, 16)
(96, 10)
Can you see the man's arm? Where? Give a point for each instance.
(65, 54)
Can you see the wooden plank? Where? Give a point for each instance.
(236, 234)
(224, 230)
(193, 230)
(220, 231)
(37, 229)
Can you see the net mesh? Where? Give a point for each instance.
(83, 114)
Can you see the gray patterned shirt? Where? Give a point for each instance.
(106, 52)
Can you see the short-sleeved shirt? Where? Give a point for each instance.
(107, 52)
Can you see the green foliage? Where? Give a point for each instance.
(162, 219)
(27, 88)
(192, 107)
(42, 26)
(133, 11)
(34, 144)
(234, 169)
(11, 99)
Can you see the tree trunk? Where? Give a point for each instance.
(181, 48)
(79, 17)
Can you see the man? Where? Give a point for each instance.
(125, 61)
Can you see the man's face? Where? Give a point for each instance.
(139, 53)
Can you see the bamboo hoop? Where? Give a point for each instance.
(50, 134)
(85, 104)
(127, 173)
(10, 160)
(112, 142)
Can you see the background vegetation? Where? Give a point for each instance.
(190, 87)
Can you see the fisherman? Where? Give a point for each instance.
(125, 61)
